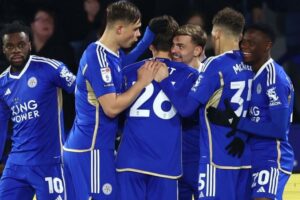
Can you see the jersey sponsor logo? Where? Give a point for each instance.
(32, 82)
(274, 99)
(197, 83)
(7, 92)
(107, 189)
(24, 111)
(67, 75)
(258, 88)
(106, 74)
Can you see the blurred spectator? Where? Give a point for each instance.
(47, 44)
(196, 18)
(92, 27)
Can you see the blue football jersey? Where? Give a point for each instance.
(272, 89)
(222, 77)
(151, 140)
(99, 73)
(32, 99)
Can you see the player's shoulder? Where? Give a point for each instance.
(4, 73)
(134, 66)
(180, 66)
(273, 73)
(45, 62)
(101, 50)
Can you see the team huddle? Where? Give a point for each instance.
(194, 128)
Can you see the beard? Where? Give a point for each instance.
(19, 65)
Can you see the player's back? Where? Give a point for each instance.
(222, 77)
(272, 89)
(98, 74)
(151, 141)
(34, 100)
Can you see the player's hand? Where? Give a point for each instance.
(236, 147)
(147, 72)
(226, 117)
(162, 73)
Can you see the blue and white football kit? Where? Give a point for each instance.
(188, 182)
(32, 100)
(222, 77)
(270, 114)
(149, 156)
(91, 140)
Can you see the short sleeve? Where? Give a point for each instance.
(99, 73)
(206, 84)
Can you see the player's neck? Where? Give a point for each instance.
(195, 63)
(161, 54)
(256, 66)
(109, 41)
(227, 43)
(18, 69)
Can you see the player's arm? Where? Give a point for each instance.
(64, 78)
(3, 135)
(139, 49)
(184, 104)
(4, 117)
(275, 128)
(280, 100)
(113, 104)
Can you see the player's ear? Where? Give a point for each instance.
(268, 46)
(198, 51)
(119, 28)
(151, 48)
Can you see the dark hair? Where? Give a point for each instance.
(231, 19)
(166, 26)
(264, 28)
(15, 27)
(122, 10)
(198, 35)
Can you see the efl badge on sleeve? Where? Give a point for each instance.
(106, 74)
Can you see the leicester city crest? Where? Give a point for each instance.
(32, 82)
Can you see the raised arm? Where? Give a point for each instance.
(139, 49)
(184, 104)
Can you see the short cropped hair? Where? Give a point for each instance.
(231, 19)
(15, 27)
(124, 11)
(264, 28)
(197, 34)
(165, 27)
